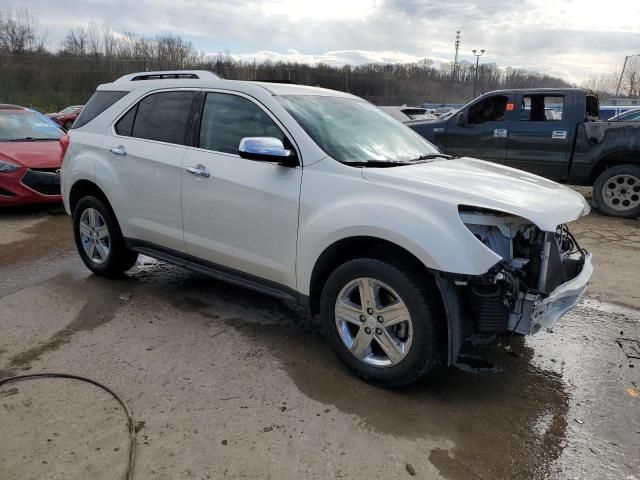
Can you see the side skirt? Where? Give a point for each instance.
(219, 272)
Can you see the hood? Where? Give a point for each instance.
(467, 181)
(44, 154)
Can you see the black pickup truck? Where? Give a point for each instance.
(554, 133)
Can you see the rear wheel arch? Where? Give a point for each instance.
(83, 188)
(625, 157)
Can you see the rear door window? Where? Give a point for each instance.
(162, 116)
(541, 108)
(98, 103)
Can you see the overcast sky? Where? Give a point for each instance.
(566, 38)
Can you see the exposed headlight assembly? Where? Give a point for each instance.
(6, 167)
(495, 230)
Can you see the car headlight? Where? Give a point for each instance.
(6, 167)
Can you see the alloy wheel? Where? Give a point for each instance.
(94, 236)
(373, 322)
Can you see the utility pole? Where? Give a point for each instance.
(622, 72)
(475, 80)
(455, 60)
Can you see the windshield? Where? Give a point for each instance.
(27, 125)
(354, 131)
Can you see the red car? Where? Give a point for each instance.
(30, 154)
(66, 117)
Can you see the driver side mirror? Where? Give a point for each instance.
(461, 119)
(267, 149)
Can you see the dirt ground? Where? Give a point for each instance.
(227, 383)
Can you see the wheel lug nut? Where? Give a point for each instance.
(378, 331)
(367, 330)
(380, 319)
(370, 311)
(362, 318)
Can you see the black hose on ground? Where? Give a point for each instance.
(131, 425)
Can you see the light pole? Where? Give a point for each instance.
(475, 80)
(623, 67)
(455, 60)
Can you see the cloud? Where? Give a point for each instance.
(336, 58)
(576, 38)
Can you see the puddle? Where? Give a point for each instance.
(49, 235)
(102, 303)
(481, 413)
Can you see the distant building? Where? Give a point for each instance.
(623, 102)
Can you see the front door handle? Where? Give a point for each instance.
(500, 133)
(199, 171)
(119, 150)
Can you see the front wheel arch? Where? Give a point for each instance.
(350, 248)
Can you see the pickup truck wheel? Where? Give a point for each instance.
(617, 191)
(381, 321)
(99, 240)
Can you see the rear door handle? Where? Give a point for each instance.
(119, 150)
(559, 134)
(199, 171)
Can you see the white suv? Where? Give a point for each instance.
(319, 197)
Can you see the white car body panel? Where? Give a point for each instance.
(149, 178)
(338, 203)
(467, 181)
(244, 216)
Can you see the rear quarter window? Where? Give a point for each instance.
(98, 103)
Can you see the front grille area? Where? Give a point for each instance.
(44, 182)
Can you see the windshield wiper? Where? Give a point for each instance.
(379, 163)
(431, 156)
(31, 139)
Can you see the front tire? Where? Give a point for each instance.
(99, 240)
(382, 320)
(617, 191)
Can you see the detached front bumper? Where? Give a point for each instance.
(538, 311)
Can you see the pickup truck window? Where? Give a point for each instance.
(540, 108)
(592, 107)
(490, 109)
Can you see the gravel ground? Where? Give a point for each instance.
(225, 382)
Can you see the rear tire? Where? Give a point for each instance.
(99, 240)
(398, 293)
(617, 191)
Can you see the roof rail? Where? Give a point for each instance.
(166, 75)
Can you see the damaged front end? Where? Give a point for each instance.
(540, 277)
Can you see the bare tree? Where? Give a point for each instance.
(604, 84)
(76, 42)
(19, 32)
